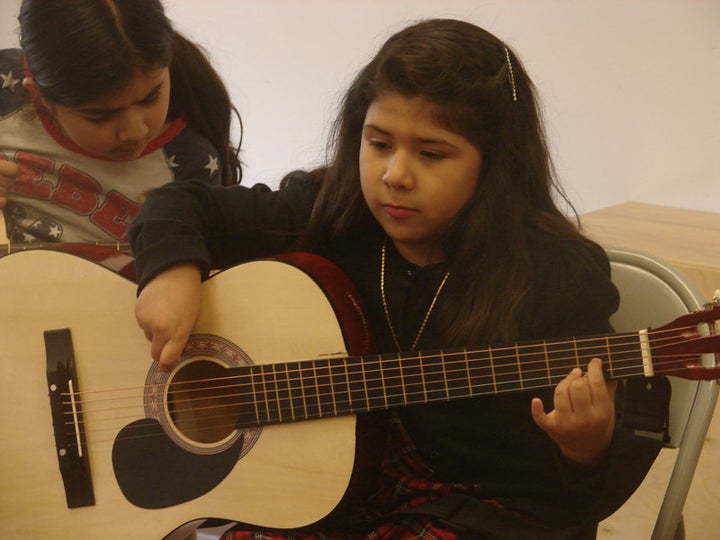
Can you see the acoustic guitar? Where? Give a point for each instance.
(257, 422)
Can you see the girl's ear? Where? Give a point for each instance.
(32, 88)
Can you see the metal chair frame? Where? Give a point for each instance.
(652, 293)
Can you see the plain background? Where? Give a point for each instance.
(630, 89)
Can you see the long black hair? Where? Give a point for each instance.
(81, 50)
(480, 90)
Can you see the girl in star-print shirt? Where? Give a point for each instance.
(90, 122)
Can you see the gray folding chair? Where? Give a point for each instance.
(653, 293)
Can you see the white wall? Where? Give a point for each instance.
(631, 89)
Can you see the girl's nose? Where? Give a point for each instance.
(132, 126)
(398, 172)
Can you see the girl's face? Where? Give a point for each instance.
(415, 174)
(119, 126)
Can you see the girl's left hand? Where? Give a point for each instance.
(583, 420)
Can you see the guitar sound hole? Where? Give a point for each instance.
(202, 402)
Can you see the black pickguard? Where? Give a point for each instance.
(154, 472)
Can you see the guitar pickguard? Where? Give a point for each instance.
(153, 472)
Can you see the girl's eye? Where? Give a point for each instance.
(98, 120)
(378, 144)
(432, 155)
(152, 98)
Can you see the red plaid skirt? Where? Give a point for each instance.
(406, 483)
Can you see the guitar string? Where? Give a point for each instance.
(446, 357)
(232, 417)
(529, 381)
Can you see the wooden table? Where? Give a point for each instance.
(687, 239)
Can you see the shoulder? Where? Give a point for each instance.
(192, 157)
(12, 59)
(572, 290)
(12, 93)
(576, 259)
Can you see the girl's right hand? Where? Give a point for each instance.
(9, 171)
(167, 309)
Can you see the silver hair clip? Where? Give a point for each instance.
(510, 71)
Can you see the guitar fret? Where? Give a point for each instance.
(365, 386)
(344, 383)
(611, 367)
(394, 383)
(444, 375)
(333, 393)
(456, 374)
(422, 376)
(577, 355)
(492, 367)
(324, 383)
(289, 398)
(563, 361)
(271, 398)
(547, 363)
(467, 372)
(594, 347)
(255, 399)
(375, 387)
(270, 388)
(433, 376)
(318, 400)
(506, 371)
(402, 380)
(535, 366)
(301, 380)
(382, 380)
(626, 355)
(482, 373)
(412, 375)
(312, 406)
(519, 367)
(261, 396)
(358, 391)
(294, 401)
(276, 387)
(338, 377)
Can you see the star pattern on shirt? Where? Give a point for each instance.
(212, 165)
(55, 231)
(171, 161)
(9, 81)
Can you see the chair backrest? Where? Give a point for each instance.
(653, 293)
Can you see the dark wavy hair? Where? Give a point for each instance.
(81, 50)
(480, 90)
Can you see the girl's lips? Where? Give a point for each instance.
(398, 212)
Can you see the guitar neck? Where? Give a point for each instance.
(328, 387)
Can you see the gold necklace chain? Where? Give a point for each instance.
(387, 312)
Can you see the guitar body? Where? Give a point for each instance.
(285, 475)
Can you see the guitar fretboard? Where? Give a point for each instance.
(284, 392)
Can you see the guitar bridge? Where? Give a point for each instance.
(68, 425)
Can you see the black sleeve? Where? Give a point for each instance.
(193, 157)
(572, 294)
(217, 226)
(574, 298)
